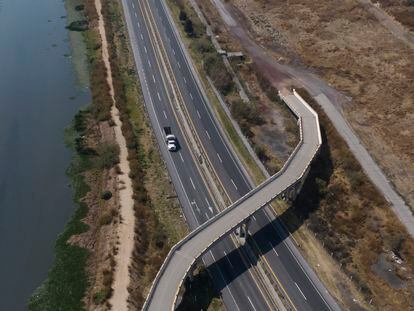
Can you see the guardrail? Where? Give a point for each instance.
(233, 206)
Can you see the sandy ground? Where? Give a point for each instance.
(126, 228)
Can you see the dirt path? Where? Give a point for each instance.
(330, 99)
(390, 23)
(126, 227)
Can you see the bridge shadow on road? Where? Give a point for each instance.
(227, 268)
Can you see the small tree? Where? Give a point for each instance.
(182, 16)
(188, 27)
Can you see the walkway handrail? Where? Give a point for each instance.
(233, 206)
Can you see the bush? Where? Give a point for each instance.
(108, 155)
(78, 25)
(80, 7)
(106, 195)
(203, 45)
(105, 219)
(246, 112)
(216, 70)
(188, 27)
(182, 16)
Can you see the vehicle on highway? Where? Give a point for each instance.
(170, 139)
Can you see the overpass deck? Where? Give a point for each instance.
(183, 255)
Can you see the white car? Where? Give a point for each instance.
(171, 142)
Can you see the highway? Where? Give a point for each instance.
(238, 290)
(243, 293)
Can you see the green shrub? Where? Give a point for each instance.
(188, 27)
(105, 219)
(182, 16)
(108, 155)
(106, 195)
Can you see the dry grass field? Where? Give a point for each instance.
(349, 48)
(345, 44)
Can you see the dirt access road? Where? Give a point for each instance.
(119, 299)
(283, 75)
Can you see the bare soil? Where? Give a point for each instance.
(347, 46)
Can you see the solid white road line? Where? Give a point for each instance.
(232, 181)
(182, 159)
(192, 183)
(219, 158)
(251, 303)
(300, 291)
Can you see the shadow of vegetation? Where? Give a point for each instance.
(227, 268)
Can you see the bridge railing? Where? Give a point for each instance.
(202, 227)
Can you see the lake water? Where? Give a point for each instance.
(39, 95)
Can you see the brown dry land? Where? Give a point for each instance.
(159, 223)
(401, 10)
(372, 256)
(345, 44)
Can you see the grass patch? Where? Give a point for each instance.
(67, 281)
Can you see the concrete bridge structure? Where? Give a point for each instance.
(284, 184)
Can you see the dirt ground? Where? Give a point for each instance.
(346, 45)
(319, 38)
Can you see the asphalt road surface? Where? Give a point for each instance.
(238, 289)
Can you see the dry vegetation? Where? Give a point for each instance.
(265, 121)
(348, 47)
(373, 258)
(159, 223)
(401, 10)
(354, 223)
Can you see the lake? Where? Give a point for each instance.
(39, 95)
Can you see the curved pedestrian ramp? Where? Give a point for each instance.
(286, 183)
